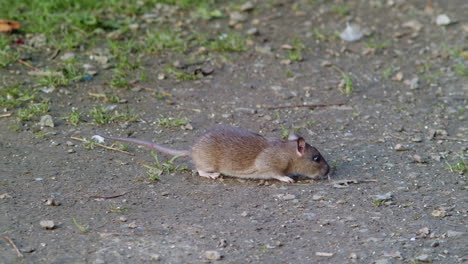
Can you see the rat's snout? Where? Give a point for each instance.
(325, 169)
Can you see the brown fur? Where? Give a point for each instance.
(238, 152)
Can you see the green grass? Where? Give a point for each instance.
(348, 87)
(164, 39)
(232, 42)
(16, 96)
(375, 44)
(81, 227)
(74, 117)
(295, 54)
(168, 122)
(388, 71)
(180, 74)
(33, 110)
(100, 116)
(461, 69)
(158, 168)
(458, 166)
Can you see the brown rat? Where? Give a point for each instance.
(240, 153)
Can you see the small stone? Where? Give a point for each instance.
(52, 202)
(100, 59)
(132, 225)
(310, 216)
(155, 257)
(46, 121)
(417, 139)
(353, 256)
(222, 243)
(276, 88)
(123, 219)
(413, 83)
(416, 158)
(246, 110)
(443, 20)
(70, 151)
(263, 49)
(253, 31)
(398, 77)
(289, 197)
(383, 197)
(413, 24)
(213, 255)
(317, 197)
(285, 62)
(67, 56)
(341, 201)
(161, 76)
(399, 147)
(435, 244)
(324, 254)
(248, 6)
(286, 47)
(38, 41)
(187, 126)
(451, 233)
(47, 224)
(424, 231)
(236, 17)
(244, 214)
(326, 64)
(383, 261)
(439, 213)
(423, 258)
(5, 196)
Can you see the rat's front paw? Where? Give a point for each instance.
(284, 179)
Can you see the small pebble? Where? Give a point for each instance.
(438, 213)
(52, 202)
(399, 147)
(47, 224)
(46, 121)
(317, 197)
(155, 257)
(443, 20)
(213, 255)
(288, 197)
(423, 258)
(324, 254)
(248, 6)
(5, 196)
(435, 244)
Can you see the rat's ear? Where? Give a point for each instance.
(301, 146)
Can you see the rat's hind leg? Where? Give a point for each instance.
(211, 175)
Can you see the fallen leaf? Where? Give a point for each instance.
(8, 25)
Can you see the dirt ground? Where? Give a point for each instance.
(391, 197)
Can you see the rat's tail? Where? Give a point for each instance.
(151, 145)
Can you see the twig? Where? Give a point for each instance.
(108, 197)
(22, 62)
(150, 89)
(14, 246)
(103, 146)
(189, 109)
(28, 65)
(397, 137)
(6, 115)
(303, 105)
(451, 138)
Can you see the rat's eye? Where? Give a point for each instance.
(316, 158)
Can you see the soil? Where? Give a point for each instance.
(179, 217)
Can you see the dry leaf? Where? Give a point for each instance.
(8, 25)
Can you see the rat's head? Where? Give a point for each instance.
(308, 161)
